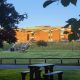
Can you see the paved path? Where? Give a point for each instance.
(26, 66)
(67, 67)
(13, 66)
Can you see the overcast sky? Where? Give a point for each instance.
(54, 15)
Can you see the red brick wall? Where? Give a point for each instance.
(41, 35)
(21, 36)
(56, 35)
(46, 35)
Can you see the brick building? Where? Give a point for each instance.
(45, 33)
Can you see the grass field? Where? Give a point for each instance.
(53, 50)
(41, 54)
(56, 46)
(14, 74)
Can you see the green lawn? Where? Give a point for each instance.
(14, 74)
(10, 74)
(56, 46)
(53, 50)
(42, 54)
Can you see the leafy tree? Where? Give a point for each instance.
(72, 37)
(75, 28)
(8, 35)
(75, 24)
(65, 3)
(9, 18)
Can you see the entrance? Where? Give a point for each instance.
(27, 37)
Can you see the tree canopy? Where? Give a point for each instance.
(65, 3)
(9, 18)
(73, 22)
(75, 28)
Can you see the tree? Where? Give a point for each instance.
(72, 37)
(75, 28)
(65, 3)
(9, 18)
(75, 24)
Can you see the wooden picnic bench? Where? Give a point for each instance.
(50, 76)
(35, 72)
(23, 74)
(35, 69)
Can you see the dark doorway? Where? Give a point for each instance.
(27, 37)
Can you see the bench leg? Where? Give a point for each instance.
(51, 77)
(51, 70)
(46, 69)
(37, 74)
(23, 76)
(31, 73)
(46, 77)
(60, 76)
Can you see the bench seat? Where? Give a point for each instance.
(23, 74)
(50, 76)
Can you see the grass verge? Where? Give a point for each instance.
(14, 74)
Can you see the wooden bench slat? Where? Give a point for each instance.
(23, 74)
(50, 76)
(52, 73)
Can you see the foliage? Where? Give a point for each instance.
(72, 37)
(1, 43)
(41, 43)
(65, 3)
(46, 3)
(75, 28)
(8, 35)
(9, 18)
(75, 24)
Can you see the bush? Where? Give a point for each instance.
(42, 43)
(73, 37)
(11, 49)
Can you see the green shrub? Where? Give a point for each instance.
(42, 43)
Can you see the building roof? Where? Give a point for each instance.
(41, 27)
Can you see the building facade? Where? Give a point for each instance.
(46, 33)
